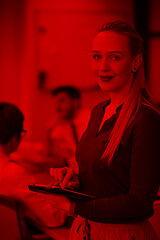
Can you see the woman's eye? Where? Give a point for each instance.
(96, 56)
(115, 58)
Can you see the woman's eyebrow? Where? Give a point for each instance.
(110, 52)
(95, 51)
(119, 52)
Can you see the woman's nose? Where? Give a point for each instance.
(105, 65)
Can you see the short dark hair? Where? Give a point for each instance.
(11, 122)
(72, 92)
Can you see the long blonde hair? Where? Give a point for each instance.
(135, 96)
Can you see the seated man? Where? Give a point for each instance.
(65, 131)
(13, 178)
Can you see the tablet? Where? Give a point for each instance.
(63, 191)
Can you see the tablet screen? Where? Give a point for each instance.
(63, 191)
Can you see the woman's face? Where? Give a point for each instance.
(112, 61)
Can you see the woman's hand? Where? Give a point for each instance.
(65, 177)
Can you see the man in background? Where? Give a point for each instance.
(14, 179)
(65, 131)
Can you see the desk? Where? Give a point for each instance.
(37, 227)
(61, 233)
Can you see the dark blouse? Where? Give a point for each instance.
(125, 190)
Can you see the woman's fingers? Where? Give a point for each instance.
(54, 174)
(68, 177)
(51, 171)
(64, 177)
(61, 173)
(58, 175)
(73, 185)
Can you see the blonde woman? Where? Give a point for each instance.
(118, 155)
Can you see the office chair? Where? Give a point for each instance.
(10, 226)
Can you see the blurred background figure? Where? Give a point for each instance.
(65, 131)
(14, 179)
(57, 148)
(62, 133)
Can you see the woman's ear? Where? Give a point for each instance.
(136, 63)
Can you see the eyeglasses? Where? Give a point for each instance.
(23, 132)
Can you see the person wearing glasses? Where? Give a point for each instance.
(14, 179)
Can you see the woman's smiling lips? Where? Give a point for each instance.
(106, 77)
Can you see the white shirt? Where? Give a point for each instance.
(62, 136)
(14, 183)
